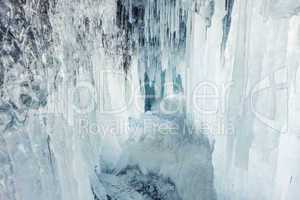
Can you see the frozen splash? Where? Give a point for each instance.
(149, 99)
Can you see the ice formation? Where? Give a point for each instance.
(149, 99)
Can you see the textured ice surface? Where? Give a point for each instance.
(107, 99)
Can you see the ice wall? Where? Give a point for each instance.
(67, 67)
(70, 68)
(254, 81)
(52, 55)
(241, 53)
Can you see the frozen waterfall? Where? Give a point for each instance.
(149, 99)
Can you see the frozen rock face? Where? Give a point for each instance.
(131, 183)
(25, 39)
(175, 153)
(151, 186)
